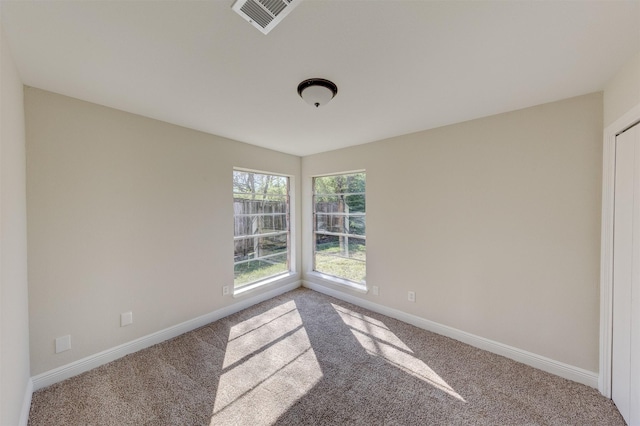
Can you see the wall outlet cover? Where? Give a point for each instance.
(63, 343)
(126, 318)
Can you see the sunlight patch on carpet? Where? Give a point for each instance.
(259, 332)
(376, 338)
(270, 364)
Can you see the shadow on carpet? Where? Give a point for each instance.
(304, 358)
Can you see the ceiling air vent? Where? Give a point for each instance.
(264, 14)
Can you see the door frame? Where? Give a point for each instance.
(629, 119)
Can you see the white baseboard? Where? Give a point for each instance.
(77, 367)
(66, 371)
(566, 371)
(26, 404)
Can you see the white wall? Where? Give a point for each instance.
(622, 91)
(14, 332)
(126, 213)
(494, 223)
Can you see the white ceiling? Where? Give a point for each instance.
(400, 66)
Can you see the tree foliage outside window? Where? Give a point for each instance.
(261, 226)
(339, 217)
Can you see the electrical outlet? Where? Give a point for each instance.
(225, 290)
(126, 319)
(376, 290)
(63, 343)
(411, 296)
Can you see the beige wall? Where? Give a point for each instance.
(622, 92)
(125, 213)
(494, 223)
(14, 330)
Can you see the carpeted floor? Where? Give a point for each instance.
(306, 358)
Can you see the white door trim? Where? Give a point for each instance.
(606, 249)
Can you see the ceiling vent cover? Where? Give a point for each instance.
(264, 14)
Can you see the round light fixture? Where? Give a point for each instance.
(317, 91)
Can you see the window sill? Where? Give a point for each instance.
(360, 288)
(249, 288)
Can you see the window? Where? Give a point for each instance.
(261, 226)
(339, 215)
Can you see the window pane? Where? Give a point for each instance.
(340, 203)
(357, 225)
(329, 223)
(340, 224)
(257, 247)
(252, 225)
(269, 204)
(250, 183)
(340, 184)
(341, 256)
(255, 270)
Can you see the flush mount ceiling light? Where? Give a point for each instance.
(317, 91)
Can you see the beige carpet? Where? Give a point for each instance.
(305, 358)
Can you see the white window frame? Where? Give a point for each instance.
(360, 286)
(242, 288)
